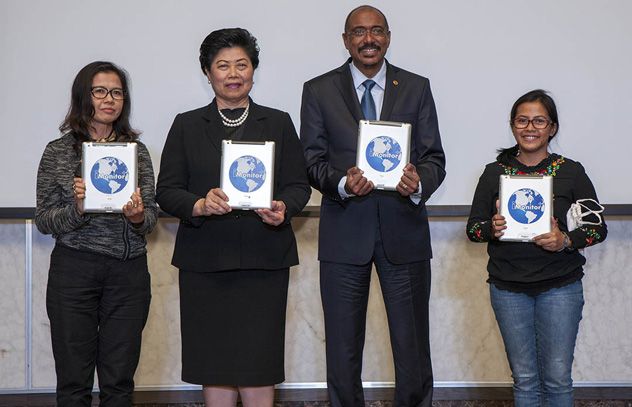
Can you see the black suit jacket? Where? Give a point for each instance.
(190, 167)
(329, 132)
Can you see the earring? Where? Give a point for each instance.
(209, 81)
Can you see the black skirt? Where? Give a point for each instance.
(233, 327)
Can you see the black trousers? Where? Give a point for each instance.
(97, 307)
(406, 291)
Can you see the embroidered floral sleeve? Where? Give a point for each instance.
(587, 235)
(592, 237)
(479, 231)
(483, 207)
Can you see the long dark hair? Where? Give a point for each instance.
(536, 95)
(78, 120)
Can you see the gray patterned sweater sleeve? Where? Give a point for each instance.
(147, 192)
(56, 212)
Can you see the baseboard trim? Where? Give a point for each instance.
(322, 385)
(313, 394)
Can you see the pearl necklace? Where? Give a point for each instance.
(237, 122)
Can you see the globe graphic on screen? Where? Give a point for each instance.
(383, 154)
(526, 205)
(247, 173)
(109, 175)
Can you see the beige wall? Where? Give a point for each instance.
(466, 346)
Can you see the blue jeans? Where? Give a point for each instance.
(539, 333)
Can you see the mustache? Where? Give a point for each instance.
(370, 45)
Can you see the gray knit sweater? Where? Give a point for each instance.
(108, 234)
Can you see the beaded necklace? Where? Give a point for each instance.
(236, 122)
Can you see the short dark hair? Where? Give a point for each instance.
(542, 96)
(78, 120)
(228, 38)
(365, 7)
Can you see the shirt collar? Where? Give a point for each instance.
(359, 77)
(111, 137)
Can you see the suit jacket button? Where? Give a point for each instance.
(237, 216)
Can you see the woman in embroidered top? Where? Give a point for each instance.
(98, 291)
(535, 288)
(234, 264)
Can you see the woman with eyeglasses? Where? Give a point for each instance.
(535, 288)
(234, 264)
(98, 291)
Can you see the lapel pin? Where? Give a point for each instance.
(395, 83)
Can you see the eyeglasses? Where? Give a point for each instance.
(100, 92)
(538, 122)
(361, 32)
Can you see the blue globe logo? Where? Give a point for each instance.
(247, 173)
(526, 205)
(383, 154)
(109, 175)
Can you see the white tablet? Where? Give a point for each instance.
(526, 202)
(110, 173)
(247, 173)
(383, 151)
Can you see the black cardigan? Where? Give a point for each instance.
(190, 167)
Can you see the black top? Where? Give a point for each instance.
(233, 133)
(526, 267)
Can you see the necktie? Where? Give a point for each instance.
(367, 103)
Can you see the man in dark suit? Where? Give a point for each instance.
(361, 226)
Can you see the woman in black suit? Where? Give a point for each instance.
(234, 264)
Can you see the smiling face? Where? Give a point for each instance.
(231, 74)
(368, 50)
(533, 142)
(108, 109)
